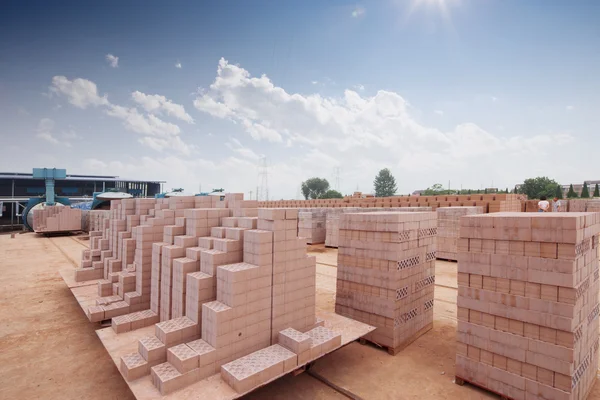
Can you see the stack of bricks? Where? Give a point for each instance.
(294, 273)
(92, 219)
(332, 225)
(448, 229)
(56, 219)
(528, 304)
(254, 274)
(311, 225)
(386, 274)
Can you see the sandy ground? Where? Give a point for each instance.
(48, 349)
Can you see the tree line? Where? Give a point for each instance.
(318, 188)
(384, 185)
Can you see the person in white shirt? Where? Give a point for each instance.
(556, 205)
(543, 204)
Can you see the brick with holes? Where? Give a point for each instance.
(528, 301)
(386, 273)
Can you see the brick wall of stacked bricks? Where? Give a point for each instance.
(489, 202)
(528, 303)
(91, 220)
(225, 292)
(332, 220)
(448, 229)
(56, 219)
(312, 225)
(386, 273)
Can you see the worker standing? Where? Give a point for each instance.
(556, 205)
(543, 204)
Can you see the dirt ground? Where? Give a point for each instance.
(49, 350)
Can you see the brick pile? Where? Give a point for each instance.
(333, 219)
(92, 219)
(528, 304)
(311, 225)
(490, 202)
(386, 274)
(242, 286)
(448, 229)
(56, 219)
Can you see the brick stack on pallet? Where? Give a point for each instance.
(386, 274)
(311, 225)
(448, 229)
(333, 219)
(92, 219)
(56, 219)
(236, 309)
(528, 304)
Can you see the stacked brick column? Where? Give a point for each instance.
(448, 227)
(528, 304)
(386, 274)
(293, 272)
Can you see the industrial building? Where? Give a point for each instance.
(17, 187)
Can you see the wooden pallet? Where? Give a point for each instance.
(395, 350)
(461, 381)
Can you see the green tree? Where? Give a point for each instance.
(585, 193)
(596, 191)
(436, 190)
(515, 191)
(559, 193)
(385, 184)
(535, 188)
(331, 194)
(571, 193)
(314, 188)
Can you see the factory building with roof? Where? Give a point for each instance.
(17, 187)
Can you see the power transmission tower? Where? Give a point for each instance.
(336, 178)
(262, 191)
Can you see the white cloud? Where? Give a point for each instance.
(113, 61)
(315, 82)
(358, 12)
(157, 104)
(236, 146)
(146, 124)
(80, 92)
(71, 134)
(438, 112)
(359, 87)
(158, 134)
(493, 98)
(44, 132)
(570, 108)
(178, 65)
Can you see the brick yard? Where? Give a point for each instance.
(50, 349)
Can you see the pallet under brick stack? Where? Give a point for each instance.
(386, 274)
(448, 229)
(528, 289)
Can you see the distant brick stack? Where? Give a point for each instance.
(386, 274)
(56, 219)
(448, 228)
(528, 289)
(311, 225)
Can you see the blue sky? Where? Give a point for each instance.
(471, 92)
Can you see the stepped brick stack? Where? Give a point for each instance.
(333, 219)
(528, 289)
(386, 274)
(56, 219)
(448, 228)
(220, 290)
